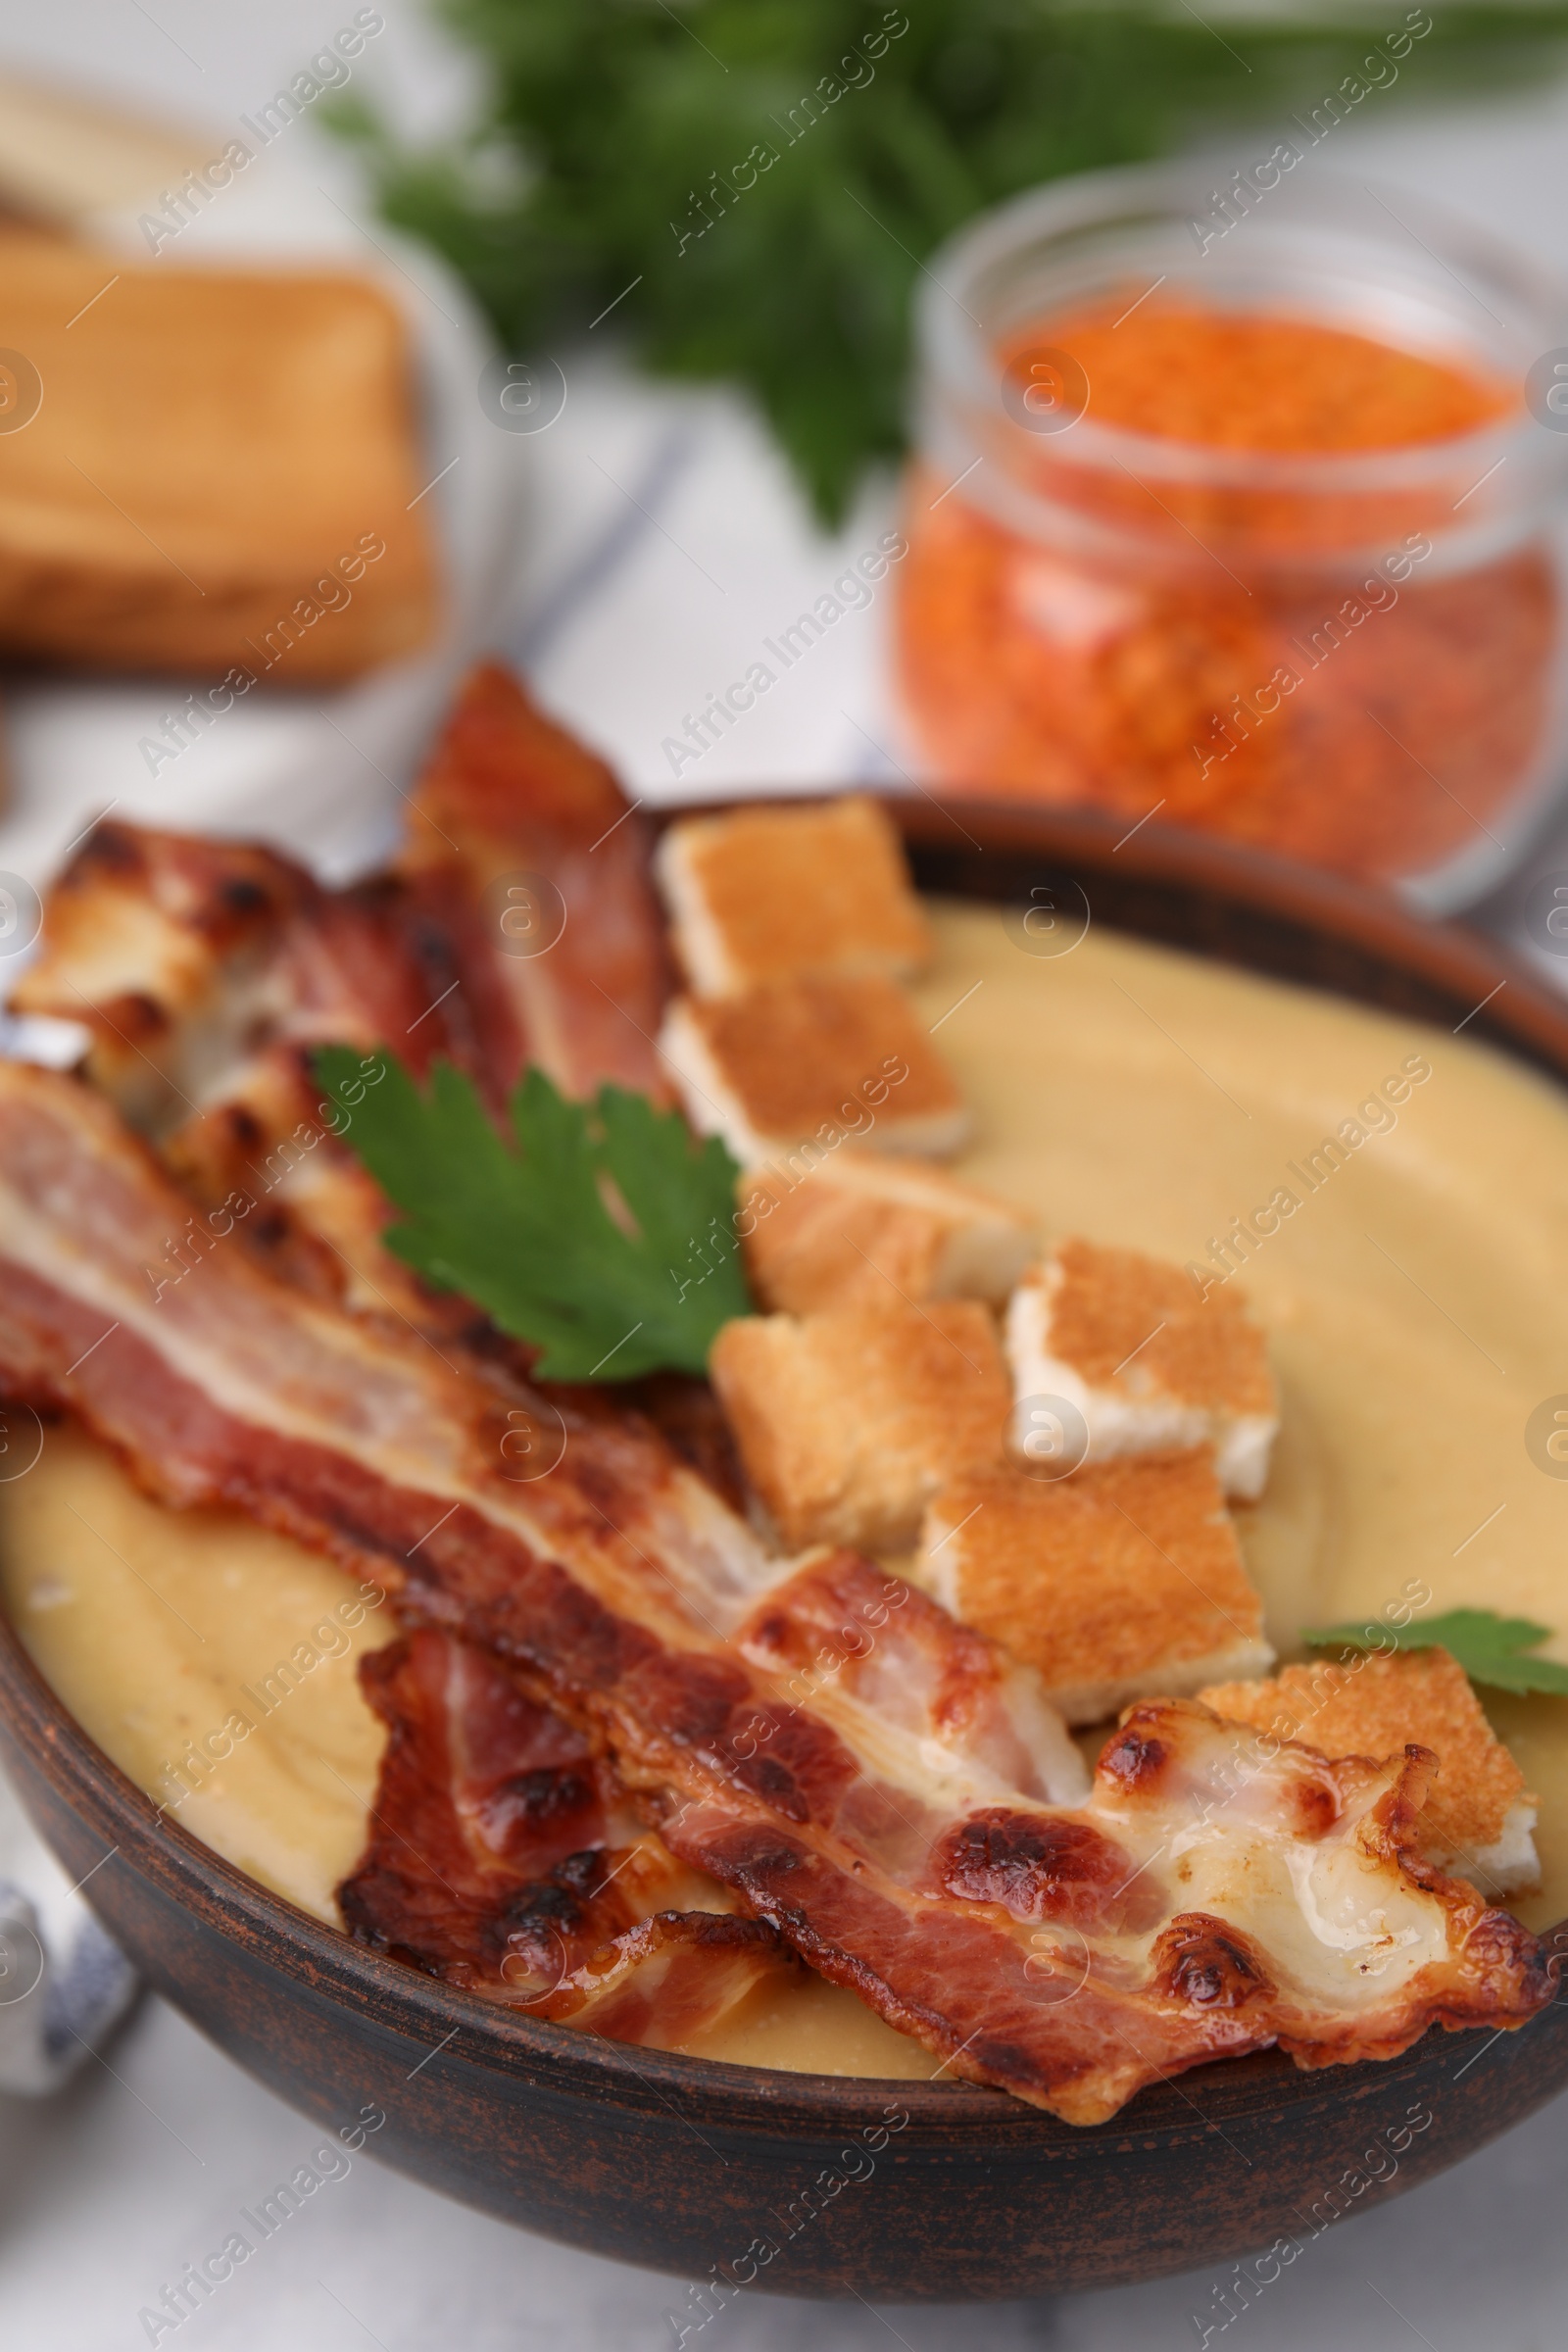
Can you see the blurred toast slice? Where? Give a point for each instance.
(221, 471)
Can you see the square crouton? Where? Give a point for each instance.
(848, 1423)
(1148, 1365)
(861, 1230)
(769, 893)
(1478, 1818)
(812, 1061)
(1122, 1582)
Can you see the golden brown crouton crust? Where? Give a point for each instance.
(822, 1248)
(1110, 1304)
(1126, 1567)
(801, 1055)
(1378, 1706)
(788, 890)
(865, 1231)
(848, 1423)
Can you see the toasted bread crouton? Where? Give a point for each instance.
(812, 1061)
(863, 1230)
(1126, 1340)
(1122, 1582)
(769, 893)
(1478, 1818)
(848, 1423)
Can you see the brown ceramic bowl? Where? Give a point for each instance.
(682, 2164)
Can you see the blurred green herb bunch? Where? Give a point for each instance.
(754, 184)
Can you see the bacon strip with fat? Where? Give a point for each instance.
(519, 924)
(881, 1796)
(512, 800)
(502, 1856)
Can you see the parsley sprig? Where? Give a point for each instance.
(1490, 1649)
(601, 1232)
(612, 129)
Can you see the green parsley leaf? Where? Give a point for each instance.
(606, 1237)
(749, 190)
(1490, 1649)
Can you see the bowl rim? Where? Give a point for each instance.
(326, 1964)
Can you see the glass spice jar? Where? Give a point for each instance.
(1243, 512)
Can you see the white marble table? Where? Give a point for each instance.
(142, 2164)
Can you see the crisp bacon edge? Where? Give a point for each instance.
(595, 1581)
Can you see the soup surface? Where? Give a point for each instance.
(1414, 1300)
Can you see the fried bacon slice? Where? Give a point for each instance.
(202, 973)
(503, 1857)
(487, 1837)
(185, 959)
(509, 800)
(672, 1979)
(1204, 1903)
(182, 956)
(919, 1843)
(519, 925)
